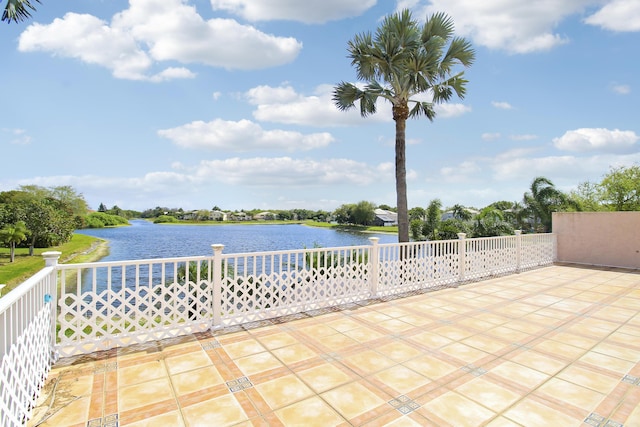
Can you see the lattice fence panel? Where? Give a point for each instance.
(24, 370)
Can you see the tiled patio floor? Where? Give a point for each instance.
(557, 346)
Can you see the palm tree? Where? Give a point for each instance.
(403, 60)
(543, 199)
(17, 10)
(12, 234)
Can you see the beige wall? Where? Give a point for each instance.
(598, 238)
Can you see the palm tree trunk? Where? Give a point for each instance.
(401, 181)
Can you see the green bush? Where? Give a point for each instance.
(165, 219)
(101, 220)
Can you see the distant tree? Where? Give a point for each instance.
(490, 222)
(543, 199)
(216, 208)
(589, 196)
(460, 212)
(11, 234)
(620, 188)
(434, 216)
(363, 213)
(404, 59)
(387, 208)
(18, 10)
(417, 213)
(102, 208)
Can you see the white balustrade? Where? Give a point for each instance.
(103, 305)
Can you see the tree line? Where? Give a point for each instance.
(37, 217)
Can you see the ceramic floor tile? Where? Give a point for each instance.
(257, 363)
(575, 340)
(324, 377)
(221, 411)
(533, 414)
(147, 393)
(559, 349)
(368, 362)
(539, 362)
(194, 380)
(404, 421)
(519, 374)
(574, 394)
(431, 367)
(485, 343)
(243, 348)
(294, 353)
(363, 335)
(342, 324)
(459, 411)
(502, 422)
(283, 391)
(352, 399)
(453, 333)
(173, 419)
(395, 325)
(398, 351)
(187, 362)
(278, 340)
(464, 352)
(590, 379)
(141, 373)
(310, 412)
(74, 413)
(618, 351)
(608, 362)
(488, 394)
(318, 331)
(337, 342)
(403, 380)
(430, 339)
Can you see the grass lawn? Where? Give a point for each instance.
(81, 248)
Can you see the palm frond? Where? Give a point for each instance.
(17, 10)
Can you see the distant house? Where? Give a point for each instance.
(385, 218)
(186, 216)
(218, 216)
(264, 216)
(449, 214)
(239, 216)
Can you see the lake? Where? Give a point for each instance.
(145, 240)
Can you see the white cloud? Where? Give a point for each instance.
(597, 139)
(152, 31)
(488, 136)
(18, 136)
(617, 15)
(447, 111)
(517, 26)
(621, 89)
(502, 105)
(315, 12)
(289, 172)
(284, 105)
(461, 172)
(243, 135)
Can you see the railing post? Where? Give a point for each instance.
(518, 249)
(51, 260)
(462, 250)
(374, 261)
(217, 284)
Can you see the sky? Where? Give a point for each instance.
(200, 103)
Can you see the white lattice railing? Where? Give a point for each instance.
(113, 304)
(104, 305)
(27, 343)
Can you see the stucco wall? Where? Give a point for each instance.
(598, 238)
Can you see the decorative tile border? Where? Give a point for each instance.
(108, 421)
(403, 404)
(239, 384)
(331, 357)
(474, 370)
(108, 367)
(210, 345)
(596, 420)
(630, 379)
